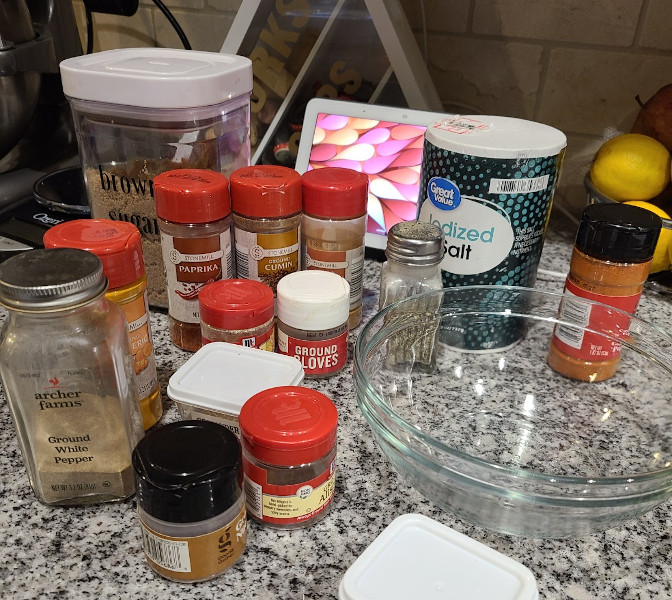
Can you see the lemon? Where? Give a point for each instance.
(661, 256)
(631, 166)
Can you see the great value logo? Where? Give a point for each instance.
(443, 193)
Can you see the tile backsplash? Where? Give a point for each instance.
(575, 64)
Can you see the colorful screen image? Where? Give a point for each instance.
(389, 153)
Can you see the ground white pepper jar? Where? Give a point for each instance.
(288, 435)
(334, 227)
(313, 309)
(190, 499)
(67, 372)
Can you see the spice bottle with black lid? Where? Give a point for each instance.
(610, 262)
(191, 503)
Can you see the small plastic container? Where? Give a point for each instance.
(141, 111)
(289, 456)
(417, 557)
(220, 377)
(190, 498)
(238, 311)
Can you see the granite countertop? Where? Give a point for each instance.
(94, 551)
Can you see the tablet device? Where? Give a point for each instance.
(385, 142)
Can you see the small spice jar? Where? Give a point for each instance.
(118, 244)
(191, 503)
(238, 311)
(266, 205)
(313, 310)
(288, 435)
(414, 252)
(334, 226)
(193, 208)
(69, 383)
(610, 262)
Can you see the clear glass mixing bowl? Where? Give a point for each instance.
(457, 391)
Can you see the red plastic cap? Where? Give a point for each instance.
(335, 192)
(266, 191)
(191, 196)
(118, 244)
(236, 303)
(288, 425)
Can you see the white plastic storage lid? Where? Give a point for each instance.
(157, 77)
(416, 557)
(313, 300)
(495, 137)
(221, 376)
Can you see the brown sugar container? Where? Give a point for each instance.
(266, 206)
(193, 208)
(610, 263)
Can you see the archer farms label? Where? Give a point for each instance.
(488, 182)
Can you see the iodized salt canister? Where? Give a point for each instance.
(488, 182)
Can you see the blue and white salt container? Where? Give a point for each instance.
(488, 182)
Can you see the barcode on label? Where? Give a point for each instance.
(169, 554)
(518, 186)
(578, 312)
(242, 265)
(356, 280)
(253, 497)
(572, 336)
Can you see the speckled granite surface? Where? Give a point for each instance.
(94, 552)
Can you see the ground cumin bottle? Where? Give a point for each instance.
(193, 208)
(266, 206)
(334, 226)
(609, 264)
(118, 244)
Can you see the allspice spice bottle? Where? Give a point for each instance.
(609, 264)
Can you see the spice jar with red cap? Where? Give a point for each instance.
(266, 207)
(193, 209)
(333, 227)
(118, 244)
(288, 435)
(238, 311)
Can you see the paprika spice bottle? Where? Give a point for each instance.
(610, 263)
(334, 226)
(193, 209)
(118, 244)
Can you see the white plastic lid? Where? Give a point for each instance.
(157, 77)
(222, 376)
(417, 557)
(495, 137)
(313, 300)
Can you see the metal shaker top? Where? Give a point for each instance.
(415, 243)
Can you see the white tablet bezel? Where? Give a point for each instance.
(346, 108)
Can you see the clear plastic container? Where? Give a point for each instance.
(141, 111)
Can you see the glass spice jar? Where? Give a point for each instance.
(238, 311)
(193, 208)
(266, 206)
(313, 311)
(610, 262)
(118, 244)
(66, 369)
(288, 436)
(191, 503)
(334, 226)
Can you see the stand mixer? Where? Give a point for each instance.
(36, 131)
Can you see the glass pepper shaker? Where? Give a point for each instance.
(414, 253)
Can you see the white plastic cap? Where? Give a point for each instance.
(417, 557)
(313, 300)
(221, 376)
(495, 137)
(157, 77)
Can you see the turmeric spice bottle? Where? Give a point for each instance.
(610, 263)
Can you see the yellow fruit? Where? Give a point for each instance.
(661, 257)
(631, 166)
